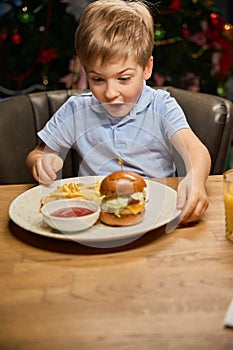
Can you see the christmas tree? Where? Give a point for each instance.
(36, 43)
(193, 45)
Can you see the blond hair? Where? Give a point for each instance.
(110, 30)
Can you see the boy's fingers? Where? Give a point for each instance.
(181, 199)
(57, 164)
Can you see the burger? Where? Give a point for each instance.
(124, 198)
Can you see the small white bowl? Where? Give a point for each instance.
(70, 224)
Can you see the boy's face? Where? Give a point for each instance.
(118, 86)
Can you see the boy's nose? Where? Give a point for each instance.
(111, 92)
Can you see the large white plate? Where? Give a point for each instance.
(160, 210)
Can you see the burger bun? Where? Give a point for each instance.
(123, 220)
(122, 183)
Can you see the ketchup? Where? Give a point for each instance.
(71, 212)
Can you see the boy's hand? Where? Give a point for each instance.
(191, 198)
(45, 168)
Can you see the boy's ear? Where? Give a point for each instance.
(148, 69)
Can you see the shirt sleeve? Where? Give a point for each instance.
(171, 113)
(58, 133)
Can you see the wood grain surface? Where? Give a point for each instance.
(163, 291)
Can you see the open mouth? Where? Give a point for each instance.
(116, 106)
(118, 109)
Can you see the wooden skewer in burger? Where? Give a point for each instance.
(124, 198)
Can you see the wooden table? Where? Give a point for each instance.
(164, 291)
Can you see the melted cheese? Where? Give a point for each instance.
(136, 208)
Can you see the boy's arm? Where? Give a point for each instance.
(192, 198)
(43, 163)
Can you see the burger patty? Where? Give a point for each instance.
(123, 205)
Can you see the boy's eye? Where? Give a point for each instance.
(125, 78)
(97, 79)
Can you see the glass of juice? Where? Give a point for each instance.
(228, 202)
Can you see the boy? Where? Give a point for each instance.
(122, 117)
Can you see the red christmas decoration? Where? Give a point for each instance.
(175, 5)
(47, 55)
(186, 31)
(16, 38)
(216, 20)
(3, 38)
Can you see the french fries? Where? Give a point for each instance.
(75, 190)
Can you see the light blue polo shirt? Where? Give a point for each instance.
(141, 138)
